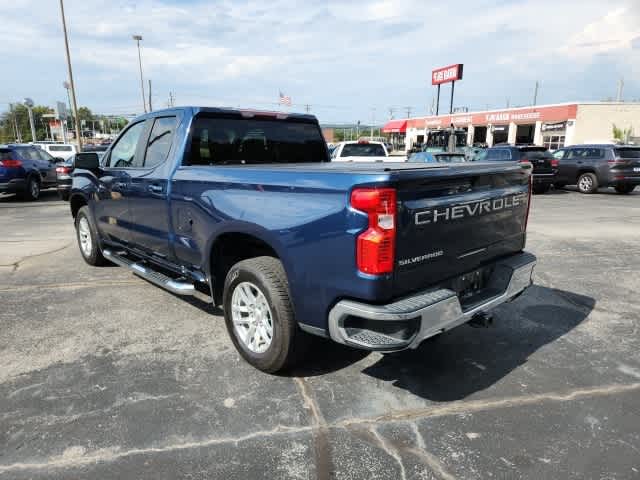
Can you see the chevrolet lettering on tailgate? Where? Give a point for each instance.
(469, 210)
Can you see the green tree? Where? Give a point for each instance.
(18, 116)
(621, 134)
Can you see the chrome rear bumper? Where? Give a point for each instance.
(435, 310)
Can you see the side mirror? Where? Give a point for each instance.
(58, 160)
(87, 161)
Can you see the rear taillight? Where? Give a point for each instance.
(617, 161)
(555, 162)
(524, 161)
(375, 249)
(10, 163)
(63, 170)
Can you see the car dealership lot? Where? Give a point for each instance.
(107, 376)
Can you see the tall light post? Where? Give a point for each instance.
(29, 104)
(137, 38)
(71, 84)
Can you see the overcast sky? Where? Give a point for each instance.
(343, 58)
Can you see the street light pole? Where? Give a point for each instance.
(29, 104)
(137, 38)
(71, 84)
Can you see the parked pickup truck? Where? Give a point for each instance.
(246, 207)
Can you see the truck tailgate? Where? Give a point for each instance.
(456, 221)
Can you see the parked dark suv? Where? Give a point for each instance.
(25, 170)
(543, 163)
(593, 166)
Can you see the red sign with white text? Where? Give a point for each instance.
(526, 115)
(446, 74)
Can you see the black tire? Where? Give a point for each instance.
(63, 195)
(625, 189)
(537, 189)
(32, 190)
(287, 340)
(587, 183)
(93, 254)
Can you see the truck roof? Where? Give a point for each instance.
(244, 112)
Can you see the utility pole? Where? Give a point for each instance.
(307, 108)
(535, 94)
(390, 113)
(29, 104)
(71, 84)
(137, 38)
(150, 107)
(373, 120)
(170, 104)
(620, 87)
(408, 112)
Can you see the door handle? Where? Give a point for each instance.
(155, 188)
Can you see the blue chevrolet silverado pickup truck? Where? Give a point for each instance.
(246, 207)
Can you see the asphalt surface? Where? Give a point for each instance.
(104, 375)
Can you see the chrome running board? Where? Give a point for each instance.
(178, 287)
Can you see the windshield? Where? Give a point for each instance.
(60, 148)
(233, 141)
(362, 150)
(627, 152)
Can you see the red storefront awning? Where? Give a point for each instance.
(395, 126)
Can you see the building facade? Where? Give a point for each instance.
(553, 126)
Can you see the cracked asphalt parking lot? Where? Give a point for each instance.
(105, 376)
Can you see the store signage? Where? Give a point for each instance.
(447, 74)
(554, 127)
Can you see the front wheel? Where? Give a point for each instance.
(259, 315)
(88, 238)
(624, 189)
(587, 183)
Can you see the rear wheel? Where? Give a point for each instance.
(88, 238)
(63, 195)
(32, 190)
(587, 183)
(624, 189)
(259, 315)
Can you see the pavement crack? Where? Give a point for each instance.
(427, 457)
(319, 431)
(71, 285)
(17, 263)
(455, 408)
(74, 459)
(389, 449)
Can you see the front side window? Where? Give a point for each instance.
(160, 141)
(123, 153)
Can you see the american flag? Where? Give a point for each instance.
(284, 99)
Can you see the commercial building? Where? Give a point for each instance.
(553, 126)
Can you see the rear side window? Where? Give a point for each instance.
(160, 141)
(362, 150)
(28, 153)
(6, 154)
(497, 155)
(627, 152)
(594, 153)
(235, 141)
